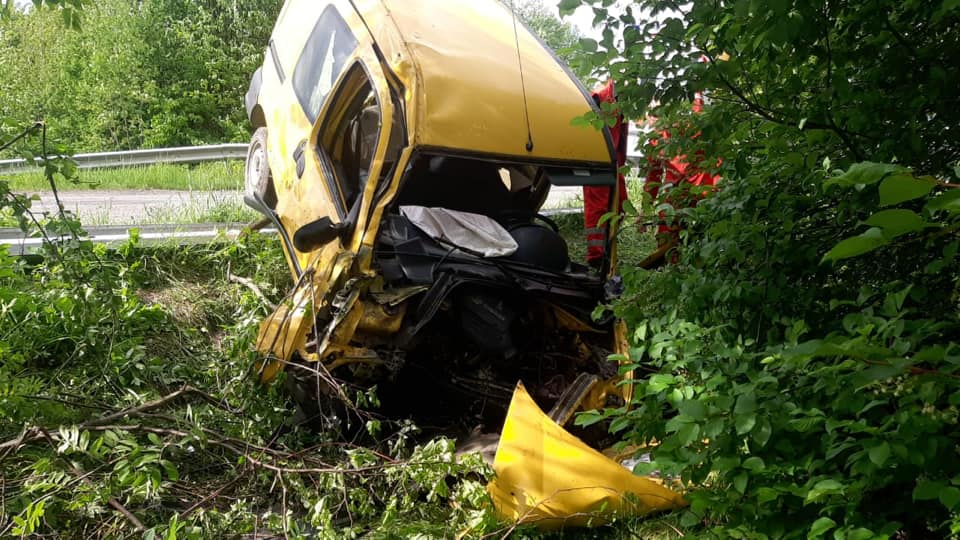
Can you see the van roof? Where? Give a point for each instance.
(470, 90)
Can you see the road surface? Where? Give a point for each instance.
(129, 207)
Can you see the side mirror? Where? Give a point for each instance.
(317, 234)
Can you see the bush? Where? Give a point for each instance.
(798, 366)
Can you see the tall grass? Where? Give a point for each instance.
(214, 175)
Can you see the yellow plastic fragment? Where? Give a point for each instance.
(546, 476)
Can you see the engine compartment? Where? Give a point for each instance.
(447, 331)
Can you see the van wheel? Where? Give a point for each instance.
(257, 174)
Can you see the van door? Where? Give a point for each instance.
(342, 91)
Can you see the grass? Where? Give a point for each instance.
(634, 244)
(224, 211)
(211, 176)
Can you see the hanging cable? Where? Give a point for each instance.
(523, 87)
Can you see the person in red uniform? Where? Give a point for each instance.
(596, 199)
(688, 184)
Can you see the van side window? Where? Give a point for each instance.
(349, 140)
(324, 55)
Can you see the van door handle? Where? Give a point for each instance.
(299, 157)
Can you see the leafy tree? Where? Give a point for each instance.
(802, 356)
(199, 59)
(562, 37)
(139, 74)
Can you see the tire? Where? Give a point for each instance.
(257, 175)
(317, 406)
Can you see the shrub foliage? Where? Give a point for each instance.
(798, 367)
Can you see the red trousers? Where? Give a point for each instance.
(596, 203)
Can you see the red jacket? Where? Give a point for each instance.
(596, 199)
(674, 172)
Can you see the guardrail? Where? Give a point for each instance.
(107, 160)
(182, 154)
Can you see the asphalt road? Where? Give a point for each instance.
(132, 207)
(129, 207)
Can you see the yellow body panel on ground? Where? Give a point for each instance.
(548, 477)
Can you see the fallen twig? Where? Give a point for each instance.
(255, 226)
(252, 286)
(31, 434)
(213, 495)
(157, 404)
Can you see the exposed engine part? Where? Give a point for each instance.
(394, 361)
(486, 320)
(572, 397)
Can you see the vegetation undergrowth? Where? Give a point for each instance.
(127, 410)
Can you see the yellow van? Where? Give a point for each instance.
(403, 149)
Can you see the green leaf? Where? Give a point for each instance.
(860, 534)
(897, 222)
(659, 382)
(689, 519)
(740, 482)
(766, 494)
(927, 490)
(746, 403)
(879, 454)
(589, 45)
(865, 173)
(950, 497)
(821, 526)
(824, 488)
(745, 422)
(695, 409)
(903, 187)
(948, 201)
(587, 418)
(762, 434)
(873, 374)
(687, 434)
(753, 464)
(857, 245)
(567, 7)
(171, 470)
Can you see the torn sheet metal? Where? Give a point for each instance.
(548, 477)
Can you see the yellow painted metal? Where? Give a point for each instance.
(546, 476)
(284, 332)
(379, 320)
(568, 321)
(467, 82)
